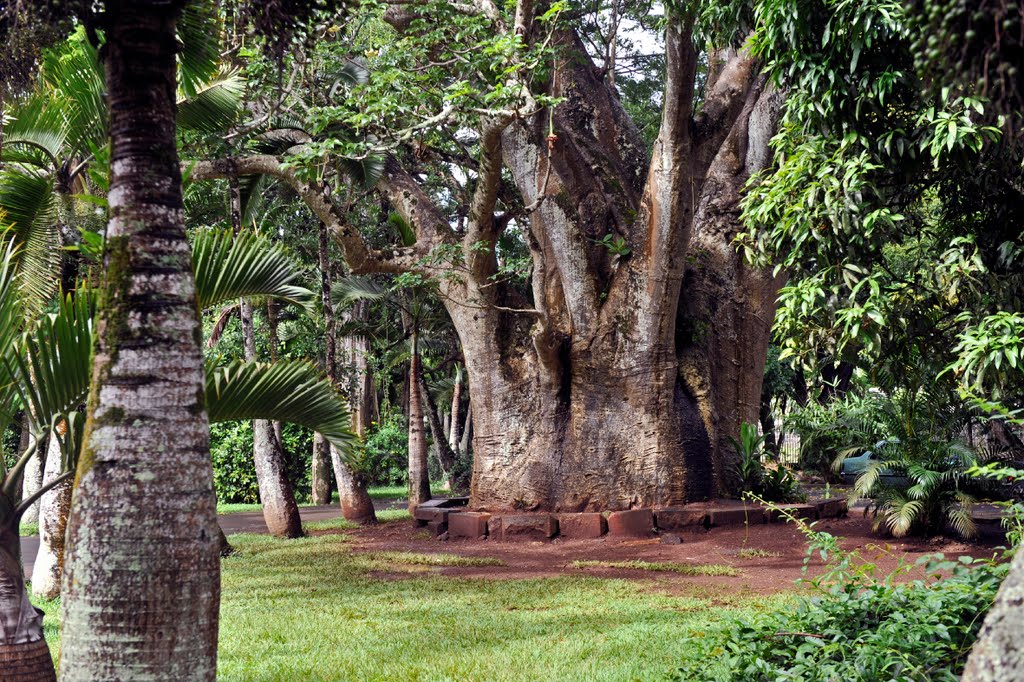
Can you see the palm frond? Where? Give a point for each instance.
(35, 134)
(213, 106)
(293, 391)
(229, 266)
(28, 211)
(53, 371)
(348, 290)
(74, 75)
(200, 31)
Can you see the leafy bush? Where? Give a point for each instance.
(857, 625)
(385, 456)
(825, 431)
(916, 436)
(775, 484)
(234, 474)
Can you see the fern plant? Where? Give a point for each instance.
(919, 484)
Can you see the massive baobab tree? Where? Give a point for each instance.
(639, 349)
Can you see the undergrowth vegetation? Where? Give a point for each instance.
(856, 624)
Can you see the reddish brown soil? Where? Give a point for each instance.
(761, 575)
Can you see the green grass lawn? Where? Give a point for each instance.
(310, 609)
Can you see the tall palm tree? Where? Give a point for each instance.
(143, 507)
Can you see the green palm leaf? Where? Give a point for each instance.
(213, 106)
(74, 75)
(53, 371)
(348, 290)
(199, 30)
(293, 391)
(229, 266)
(35, 134)
(28, 212)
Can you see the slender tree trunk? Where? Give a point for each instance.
(275, 343)
(356, 504)
(280, 512)
(32, 479)
(53, 521)
(453, 436)
(362, 389)
(467, 431)
(321, 470)
(419, 479)
(24, 656)
(445, 455)
(142, 582)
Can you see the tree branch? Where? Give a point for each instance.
(359, 257)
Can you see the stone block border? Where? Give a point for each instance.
(451, 520)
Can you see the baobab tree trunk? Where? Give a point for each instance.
(53, 521)
(419, 479)
(599, 389)
(280, 512)
(141, 588)
(997, 655)
(725, 319)
(356, 504)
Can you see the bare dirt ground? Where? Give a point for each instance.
(778, 571)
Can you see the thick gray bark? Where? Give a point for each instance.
(998, 654)
(141, 588)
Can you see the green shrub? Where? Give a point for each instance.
(857, 625)
(385, 458)
(234, 474)
(775, 484)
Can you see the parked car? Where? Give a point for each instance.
(853, 467)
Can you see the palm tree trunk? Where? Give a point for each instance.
(280, 512)
(356, 504)
(419, 479)
(321, 470)
(24, 656)
(32, 479)
(446, 457)
(142, 582)
(53, 522)
(453, 436)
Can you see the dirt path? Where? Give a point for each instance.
(778, 564)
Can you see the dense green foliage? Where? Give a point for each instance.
(857, 624)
